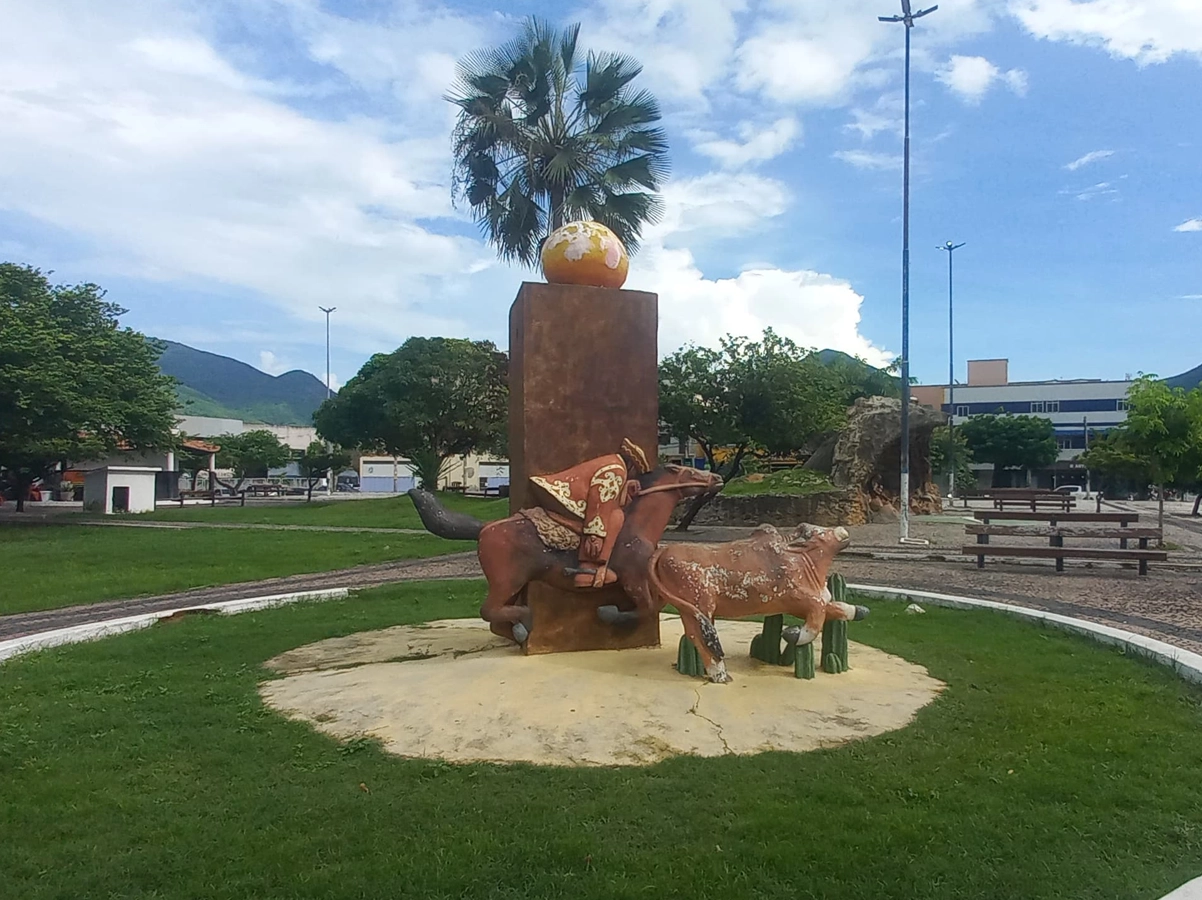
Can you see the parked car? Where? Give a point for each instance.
(1077, 492)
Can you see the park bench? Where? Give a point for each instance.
(212, 496)
(1056, 527)
(1022, 498)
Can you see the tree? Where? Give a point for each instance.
(1011, 442)
(430, 399)
(74, 385)
(1162, 437)
(251, 454)
(544, 137)
(948, 446)
(767, 394)
(317, 460)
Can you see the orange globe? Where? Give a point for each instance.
(585, 253)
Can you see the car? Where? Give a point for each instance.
(1075, 491)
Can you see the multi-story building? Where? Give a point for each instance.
(1079, 409)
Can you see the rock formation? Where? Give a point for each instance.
(864, 457)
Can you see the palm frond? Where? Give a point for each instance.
(605, 76)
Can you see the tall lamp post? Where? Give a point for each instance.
(951, 374)
(327, 310)
(906, 18)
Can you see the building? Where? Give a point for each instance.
(393, 475)
(295, 437)
(1078, 409)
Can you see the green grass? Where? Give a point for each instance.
(46, 567)
(796, 481)
(146, 766)
(386, 512)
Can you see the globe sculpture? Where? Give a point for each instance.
(585, 253)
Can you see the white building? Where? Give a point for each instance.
(295, 437)
(472, 473)
(1079, 408)
(120, 489)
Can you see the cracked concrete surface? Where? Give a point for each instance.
(451, 690)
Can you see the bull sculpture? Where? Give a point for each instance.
(764, 574)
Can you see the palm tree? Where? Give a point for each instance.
(542, 140)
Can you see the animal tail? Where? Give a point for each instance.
(442, 522)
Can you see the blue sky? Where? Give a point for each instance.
(223, 168)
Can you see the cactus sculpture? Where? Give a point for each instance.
(834, 633)
(688, 660)
(765, 646)
(803, 662)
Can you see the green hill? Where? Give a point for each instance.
(214, 385)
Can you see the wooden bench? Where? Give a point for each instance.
(980, 551)
(211, 496)
(1056, 530)
(1022, 498)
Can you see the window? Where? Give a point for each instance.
(962, 411)
(1064, 443)
(1045, 406)
(1121, 405)
(1037, 406)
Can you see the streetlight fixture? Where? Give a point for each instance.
(951, 374)
(907, 18)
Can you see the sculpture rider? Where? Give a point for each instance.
(593, 495)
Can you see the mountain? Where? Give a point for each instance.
(213, 385)
(1188, 380)
(871, 380)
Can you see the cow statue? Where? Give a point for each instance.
(764, 574)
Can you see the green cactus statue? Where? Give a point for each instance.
(832, 664)
(803, 661)
(837, 585)
(765, 646)
(834, 643)
(688, 660)
(788, 655)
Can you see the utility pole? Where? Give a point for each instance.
(327, 311)
(906, 18)
(951, 374)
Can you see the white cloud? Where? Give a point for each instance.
(862, 159)
(1091, 157)
(1148, 31)
(756, 144)
(1190, 225)
(886, 115)
(1101, 189)
(272, 364)
(972, 76)
(812, 308)
(1190, 297)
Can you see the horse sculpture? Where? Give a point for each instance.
(530, 546)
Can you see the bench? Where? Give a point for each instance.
(211, 496)
(1022, 498)
(1056, 530)
(980, 551)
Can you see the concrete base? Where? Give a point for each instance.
(452, 690)
(583, 374)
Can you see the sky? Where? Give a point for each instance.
(225, 167)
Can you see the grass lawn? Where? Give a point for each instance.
(145, 766)
(60, 565)
(386, 512)
(795, 481)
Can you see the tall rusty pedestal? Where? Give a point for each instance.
(582, 376)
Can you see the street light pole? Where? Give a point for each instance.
(327, 311)
(951, 374)
(906, 18)
(329, 472)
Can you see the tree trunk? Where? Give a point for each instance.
(1198, 500)
(309, 498)
(698, 503)
(1160, 512)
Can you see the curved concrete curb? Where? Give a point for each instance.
(76, 634)
(1186, 664)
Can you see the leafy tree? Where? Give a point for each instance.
(74, 385)
(430, 399)
(948, 447)
(251, 454)
(318, 459)
(1161, 439)
(545, 137)
(748, 395)
(1011, 442)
